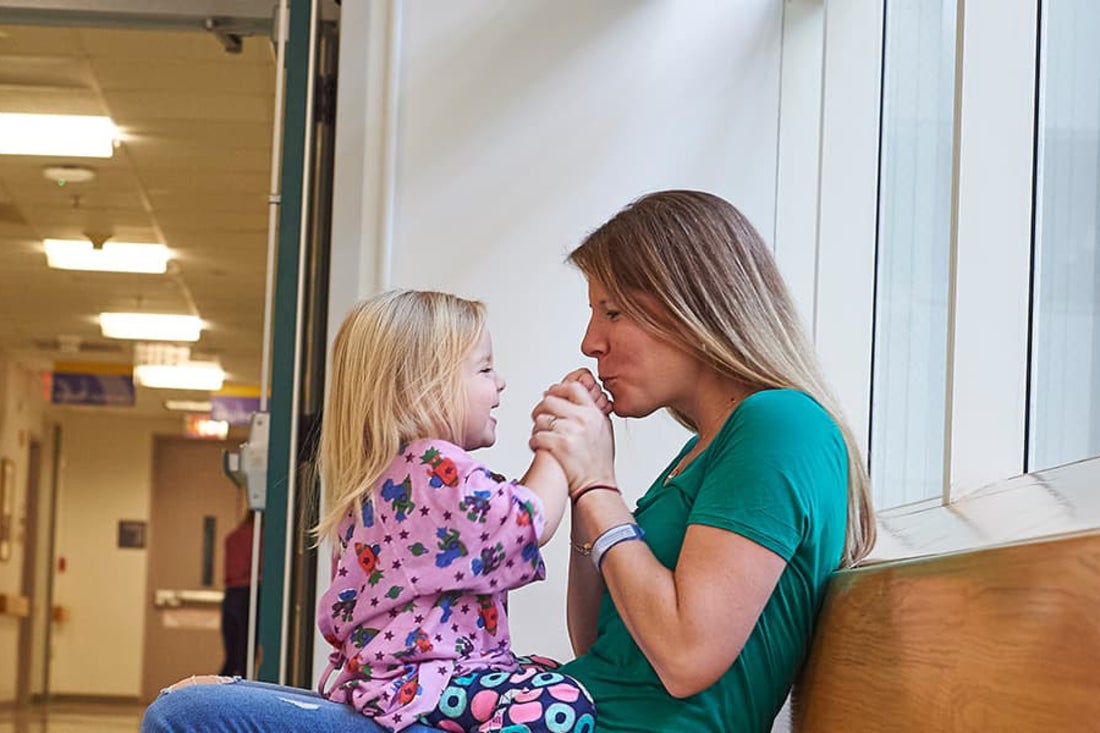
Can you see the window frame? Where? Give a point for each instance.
(827, 208)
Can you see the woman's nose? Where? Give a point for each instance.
(592, 345)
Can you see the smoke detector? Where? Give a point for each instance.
(64, 174)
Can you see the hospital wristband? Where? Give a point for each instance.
(611, 537)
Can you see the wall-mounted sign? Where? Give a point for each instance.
(109, 385)
(235, 410)
(131, 533)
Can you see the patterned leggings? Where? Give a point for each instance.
(533, 699)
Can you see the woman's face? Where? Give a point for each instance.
(641, 372)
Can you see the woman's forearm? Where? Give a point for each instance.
(582, 600)
(722, 580)
(645, 594)
(592, 514)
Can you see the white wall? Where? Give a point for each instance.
(105, 476)
(512, 130)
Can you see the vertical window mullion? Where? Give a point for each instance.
(847, 193)
(798, 150)
(987, 353)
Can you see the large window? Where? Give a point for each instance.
(914, 242)
(983, 147)
(1065, 384)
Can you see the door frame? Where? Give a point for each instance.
(25, 656)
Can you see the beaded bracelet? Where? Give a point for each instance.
(575, 497)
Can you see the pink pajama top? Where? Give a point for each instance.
(419, 587)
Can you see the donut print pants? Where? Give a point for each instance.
(533, 699)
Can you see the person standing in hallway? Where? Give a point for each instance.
(235, 604)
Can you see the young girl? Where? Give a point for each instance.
(428, 540)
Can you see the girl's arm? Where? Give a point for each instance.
(546, 480)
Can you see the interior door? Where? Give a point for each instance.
(193, 507)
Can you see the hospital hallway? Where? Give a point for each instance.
(72, 717)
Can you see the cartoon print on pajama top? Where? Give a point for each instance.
(419, 589)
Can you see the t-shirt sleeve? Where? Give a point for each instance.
(484, 528)
(763, 468)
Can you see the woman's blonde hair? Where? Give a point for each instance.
(396, 376)
(721, 298)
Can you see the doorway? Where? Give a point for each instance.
(194, 103)
(193, 507)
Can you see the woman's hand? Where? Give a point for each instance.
(575, 429)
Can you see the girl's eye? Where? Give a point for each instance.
(612, 315)
(487, 370)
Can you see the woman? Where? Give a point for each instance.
(703, 624)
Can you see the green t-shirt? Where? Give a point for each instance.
(777, 474)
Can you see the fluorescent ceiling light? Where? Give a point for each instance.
(206, 376)
(76, 136)
(188, 405)
(150, 326)
(81, 254)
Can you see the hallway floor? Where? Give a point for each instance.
(72, 717)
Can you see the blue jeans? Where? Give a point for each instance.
(255, 707)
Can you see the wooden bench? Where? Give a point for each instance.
(998, 639)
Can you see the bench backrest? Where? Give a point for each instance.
(1000, 639)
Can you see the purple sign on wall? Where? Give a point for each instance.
(233, 410)
(111, 390)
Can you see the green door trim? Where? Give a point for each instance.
(285, 347)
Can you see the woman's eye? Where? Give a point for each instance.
(612, 315)
(487, 370)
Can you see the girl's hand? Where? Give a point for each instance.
(570, 424)
(587, 380)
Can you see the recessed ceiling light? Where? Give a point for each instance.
(65, 174)
(81, 254)
(150, 326)
(77, 136)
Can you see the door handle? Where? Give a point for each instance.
(176, 598)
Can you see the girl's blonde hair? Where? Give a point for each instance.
(722, 299)
(396, 376)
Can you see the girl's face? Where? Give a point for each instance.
(483, 387)
(640, 371)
